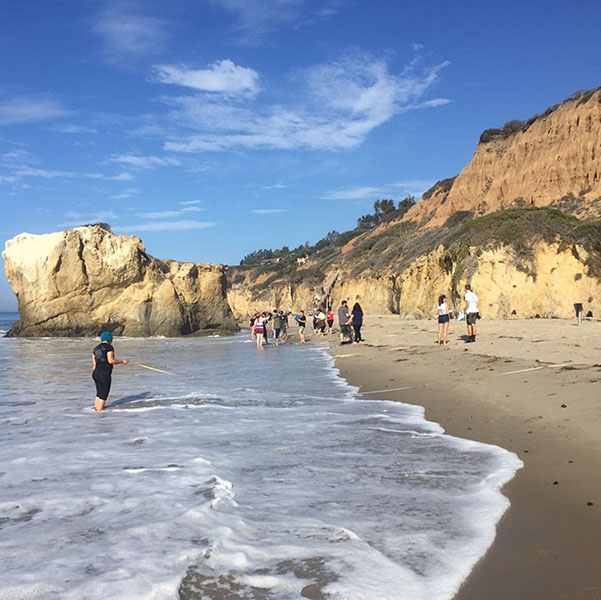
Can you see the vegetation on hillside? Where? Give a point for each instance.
(515, 126)
(391, 249)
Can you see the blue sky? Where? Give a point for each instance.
(211, 128)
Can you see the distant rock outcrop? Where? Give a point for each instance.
(84, 280)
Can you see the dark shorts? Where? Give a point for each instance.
(330, 323)
(276, 333)
(345, 330)
(471, 318)
(103, 384)
(443, 319)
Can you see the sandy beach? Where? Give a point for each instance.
(532, 387)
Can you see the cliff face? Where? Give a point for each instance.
(548, 283)
(553, 160)
(85, 280)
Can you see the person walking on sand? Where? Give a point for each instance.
(443, 320)
(357, 321)
(103, 359)
(302, 323)
(471, 312)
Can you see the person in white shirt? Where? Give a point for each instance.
(471, 312)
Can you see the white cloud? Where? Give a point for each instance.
(122, 177)
(413, 187)
(127, 35)
(27, 109)
(71, 128)
(275, 186)
(145, 162)
(128, 193)
(222, 76)
(359, 193)
(76, 219)
(192, 209)
(164, 226)
(164, 214)
(188, 202)
(269, 211)
(344, 101)
(254, 19)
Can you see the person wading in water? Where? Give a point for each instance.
(103, 359)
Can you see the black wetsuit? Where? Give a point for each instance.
(102, 373)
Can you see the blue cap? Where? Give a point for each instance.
(106, 336)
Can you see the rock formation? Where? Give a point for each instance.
(85, 280)
(551, 160)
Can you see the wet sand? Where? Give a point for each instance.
(532, 387)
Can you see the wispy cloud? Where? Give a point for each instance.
(343, 102)
(128, 193)
(358, 193)
(75, 219)
(275, 186)
(413, 187)
(222, 76)
(71, 128)
(145, 162)
(164, 226)
(27, 109)
(269, 211)
(189, 202)
(128, 35)
(255, 19)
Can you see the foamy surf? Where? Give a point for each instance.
(284, 484)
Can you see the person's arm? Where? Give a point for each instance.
(93, 363)
(110, 357)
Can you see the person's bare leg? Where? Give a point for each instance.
(445, 332)
(98, 404)
(440, 330)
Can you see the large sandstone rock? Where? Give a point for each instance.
(554, 161)
(84, 280)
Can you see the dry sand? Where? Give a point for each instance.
(532, 387)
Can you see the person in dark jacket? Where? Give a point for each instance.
(103, 359)
(357, 321)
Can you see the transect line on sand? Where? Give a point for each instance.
(522, 371)
(399, 389)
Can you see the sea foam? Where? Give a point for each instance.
(284, 481)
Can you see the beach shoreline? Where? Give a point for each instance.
(531, 387)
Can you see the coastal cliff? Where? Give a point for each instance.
(520, 223)
(553, 159)
(83, 280)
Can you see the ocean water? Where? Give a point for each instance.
(246, 475)
(6, 321)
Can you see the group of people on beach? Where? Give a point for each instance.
(350, 322)
(471, 312)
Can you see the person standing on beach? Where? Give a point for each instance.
(330, 319)
(103, 359)
(357, 321)
(302, 323)
(443, 320)
(471, 312)
(343, 321)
